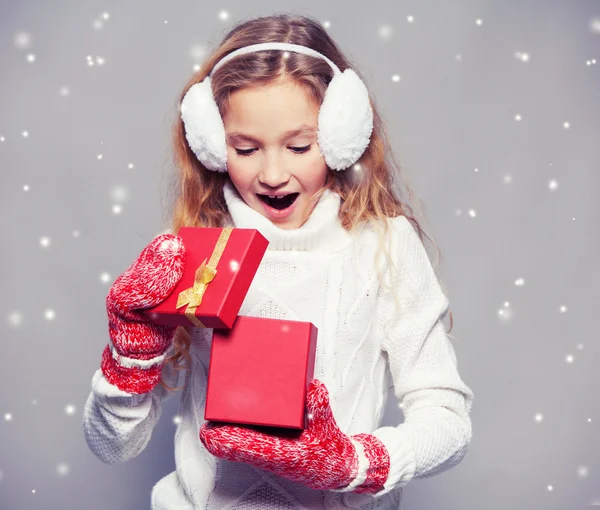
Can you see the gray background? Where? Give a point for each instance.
(519, 235)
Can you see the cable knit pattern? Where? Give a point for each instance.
(369, 344)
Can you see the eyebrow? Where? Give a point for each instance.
(237, 137)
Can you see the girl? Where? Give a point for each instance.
(282, 137)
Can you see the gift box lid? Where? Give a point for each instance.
(233, 256)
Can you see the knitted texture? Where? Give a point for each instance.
(379, 463)
(134, 358)
(321, 457)
(322, 274)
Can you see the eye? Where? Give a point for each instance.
(296, 150)
(244, 152)
(300, 150)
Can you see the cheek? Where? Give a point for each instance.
(315, 172)
(312, 163)
(241, 173)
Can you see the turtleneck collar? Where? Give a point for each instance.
(322, 231)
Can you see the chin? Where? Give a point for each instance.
(287, 225)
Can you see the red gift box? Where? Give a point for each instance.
(219, 267)
(259, 372)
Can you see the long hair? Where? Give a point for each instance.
(376, 188)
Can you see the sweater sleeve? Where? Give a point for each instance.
(435, 401)
(118, 425)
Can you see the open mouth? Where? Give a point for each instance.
(279, 202)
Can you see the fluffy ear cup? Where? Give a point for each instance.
(345, 120)
(204, 129)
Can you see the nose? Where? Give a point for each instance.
(273, 172)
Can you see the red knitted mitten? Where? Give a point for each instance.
(135, 355)
(321, 456)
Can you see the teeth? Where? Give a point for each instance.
(277, 197)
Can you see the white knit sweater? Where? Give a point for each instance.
(368, 343)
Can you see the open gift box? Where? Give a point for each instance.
(259, 372)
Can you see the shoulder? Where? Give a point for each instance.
(392, 239)
(399, 251)
(397, 234)
(410, 265)
(400, 229)
(404, 240)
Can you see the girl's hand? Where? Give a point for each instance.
(321, 456)
(135, 362)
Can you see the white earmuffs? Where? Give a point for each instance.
(345, 117)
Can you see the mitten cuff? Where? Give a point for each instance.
(144, 364)
(130, 374)
(362, 466)
(378, 463)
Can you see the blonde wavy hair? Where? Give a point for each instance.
(379, 190)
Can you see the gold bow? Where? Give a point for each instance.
(204, 275)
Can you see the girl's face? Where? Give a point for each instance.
(273, 158)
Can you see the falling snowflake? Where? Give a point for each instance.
(505, 313)
(119, 193)
(523, 57)
(62, 469)
(15, 319)
(385, 32)
(23, 40)
(582, 471)
(198, 51)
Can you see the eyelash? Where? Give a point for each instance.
(295, 150)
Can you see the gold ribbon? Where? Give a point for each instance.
(204, 275)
